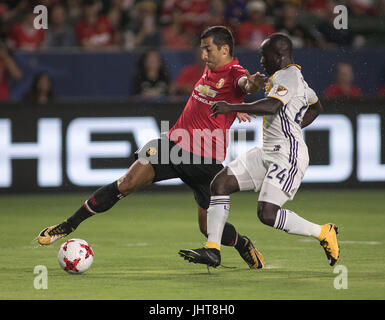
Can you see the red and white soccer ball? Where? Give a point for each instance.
(75, 256)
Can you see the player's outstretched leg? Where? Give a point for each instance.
(231, 238)
(103, 199)
(288, 221)
(218, 229)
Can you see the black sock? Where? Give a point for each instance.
(231, 238)
(101, 200)
(240, 243)
(79, 216)
(229, 235)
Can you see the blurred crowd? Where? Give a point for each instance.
(177, 24)
(154, 25)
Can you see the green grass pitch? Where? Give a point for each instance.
(136, 245)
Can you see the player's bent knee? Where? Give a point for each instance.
(137, 176)
(267, 213)
(263, 216)
(218, 187)
(127, 184)
(224, 184)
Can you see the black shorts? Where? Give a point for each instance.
(170, 161)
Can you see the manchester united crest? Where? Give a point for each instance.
(220, 83)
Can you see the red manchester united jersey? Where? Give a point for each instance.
(195, 130)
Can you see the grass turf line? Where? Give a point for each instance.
(136, 245)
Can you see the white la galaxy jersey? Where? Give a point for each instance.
(282, 131)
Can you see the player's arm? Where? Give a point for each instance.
(311, 113)
(264, 106)
(252, 83)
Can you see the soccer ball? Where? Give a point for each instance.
(75, 256)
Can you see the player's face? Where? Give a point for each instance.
(213, 57)
(269, 58)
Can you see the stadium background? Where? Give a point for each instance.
(94, 84)
(86, 78)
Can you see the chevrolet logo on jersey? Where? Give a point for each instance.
(205, 90)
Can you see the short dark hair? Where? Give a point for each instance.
(221, 36)
(282, 42)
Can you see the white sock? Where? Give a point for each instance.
(292, 223)
(217, 215)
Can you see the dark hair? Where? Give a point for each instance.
(143, 57)
(221, 36)
(32, 94)
(282, 41)
(141, 75)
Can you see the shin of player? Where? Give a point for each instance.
(221, 187)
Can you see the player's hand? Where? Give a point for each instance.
(220, 107)
(254, 82)
(243, 117)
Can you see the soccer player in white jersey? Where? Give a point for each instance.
(276, 169)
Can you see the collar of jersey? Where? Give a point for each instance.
(226, 66)
(269, 85)
(290, 65)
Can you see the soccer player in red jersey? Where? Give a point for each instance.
(193, 148)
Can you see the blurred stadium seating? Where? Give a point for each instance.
(103, 69)
(98, 72)
(108, 75)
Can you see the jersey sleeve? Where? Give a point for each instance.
(284, 86)
(237, 73)
(311, 96)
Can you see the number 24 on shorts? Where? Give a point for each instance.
(281, 175)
